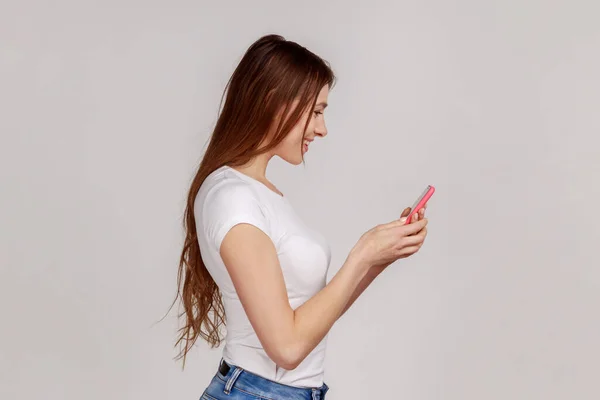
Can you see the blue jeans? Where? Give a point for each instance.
(239, 384)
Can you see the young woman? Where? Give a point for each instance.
(248, 261)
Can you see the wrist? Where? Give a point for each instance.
(377, 269)
(358, 263)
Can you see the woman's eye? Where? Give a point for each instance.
(317, 113)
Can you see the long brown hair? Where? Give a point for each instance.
(270, 76)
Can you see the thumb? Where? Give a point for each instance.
(396, 223)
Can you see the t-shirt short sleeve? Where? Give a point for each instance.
(228, 205)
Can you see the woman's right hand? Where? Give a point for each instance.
(386, 243)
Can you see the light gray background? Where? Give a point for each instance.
(105, 111)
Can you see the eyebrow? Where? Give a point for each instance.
(322, 104)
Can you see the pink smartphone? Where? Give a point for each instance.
(421, 201)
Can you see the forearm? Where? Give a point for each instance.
(314, 319)
(363, 285)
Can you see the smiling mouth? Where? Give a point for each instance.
(305, 146)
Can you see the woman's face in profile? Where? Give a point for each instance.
(296, 143)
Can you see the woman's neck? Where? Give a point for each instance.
(256, 168)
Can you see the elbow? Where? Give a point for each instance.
(287, 357)
(289, 363)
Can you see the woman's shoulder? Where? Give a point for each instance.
(222, 188)
(226, 201)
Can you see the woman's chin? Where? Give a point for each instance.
(293, 160)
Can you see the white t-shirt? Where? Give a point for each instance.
(226, 198)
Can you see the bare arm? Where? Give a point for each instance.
(287, 335)
(376, 270)
(363, 285)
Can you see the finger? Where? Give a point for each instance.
(403, 222)
(407, 251)
(414, 240)
(405, 212)
(411, 229)
(414, 217)
(420, 214)
(422, 232)
(410, 241)
(395, 223)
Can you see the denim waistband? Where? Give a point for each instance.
(253, 384)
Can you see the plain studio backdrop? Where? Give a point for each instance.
(105, 111)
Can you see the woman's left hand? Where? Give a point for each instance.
(418, 216)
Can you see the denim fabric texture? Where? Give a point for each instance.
(239, 384)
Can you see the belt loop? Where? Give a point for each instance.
(319, 393)
(231, 381)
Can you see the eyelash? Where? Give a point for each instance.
(317, 113)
